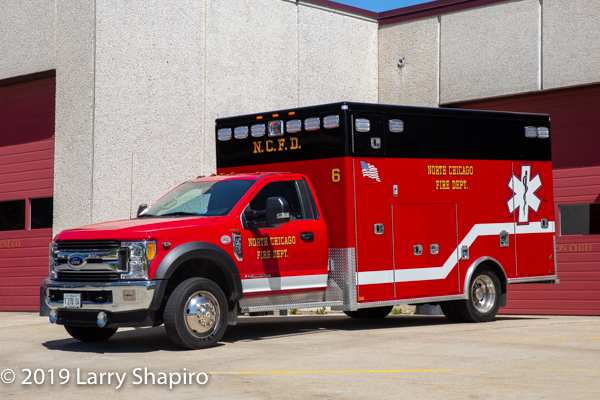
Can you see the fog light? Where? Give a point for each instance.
(53, 315)
(102, 319)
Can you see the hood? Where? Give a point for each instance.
(132, 229)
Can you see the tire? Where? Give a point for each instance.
(450, 311)
(370, 313)
(196, 314)
(85, 334)
(484, 297)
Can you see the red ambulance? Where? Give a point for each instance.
(357, 207)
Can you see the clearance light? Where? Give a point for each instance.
(362, 125)
(543, 132)
(331, 121)
(257, 130)
(224, 134)
(293, 126)
(275, 115)
(312, 124)
(531, 132)
(259, 117)
(292, 113)
(396, 125)
(240, 132)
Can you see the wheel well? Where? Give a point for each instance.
(491, 264)
(198, 268)
(499, 271)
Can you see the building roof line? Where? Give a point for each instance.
(419, 11)
(430, 9)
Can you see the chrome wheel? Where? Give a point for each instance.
(201, 314)
(483, 294)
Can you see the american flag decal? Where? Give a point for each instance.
(370, 171)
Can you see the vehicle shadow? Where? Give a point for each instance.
(147, 340)
(261, 328)
(139, 340)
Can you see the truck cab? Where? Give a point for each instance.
(264, 227)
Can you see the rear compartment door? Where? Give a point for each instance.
(533, 208)
(425, 250)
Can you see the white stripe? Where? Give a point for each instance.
(429, 274)
(284, 283)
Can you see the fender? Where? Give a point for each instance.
(503, 279)
(190, 250)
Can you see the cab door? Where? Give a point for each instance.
(288, 257)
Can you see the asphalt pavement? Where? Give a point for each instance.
(311, 356)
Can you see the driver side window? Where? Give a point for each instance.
(288, 190)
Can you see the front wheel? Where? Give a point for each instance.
(370, 313)
(484, 297)
(85, 334)
(196, 314)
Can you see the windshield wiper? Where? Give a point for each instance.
(178, 213)
(147, 215)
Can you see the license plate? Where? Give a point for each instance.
(72, 300)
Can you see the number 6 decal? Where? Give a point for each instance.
(335, 175)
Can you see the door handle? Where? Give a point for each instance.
(307, 235)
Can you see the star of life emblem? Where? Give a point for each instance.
(524, 196)
(369, 171)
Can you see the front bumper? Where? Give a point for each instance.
(114, 297)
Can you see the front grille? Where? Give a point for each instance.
(79, 276)
(88, 245)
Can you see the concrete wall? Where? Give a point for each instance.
(74, 118)
(251, 62)
(571, 43)
(140, 83)
(26, 37)
(490, 51)
(415, 84)
(148, 122)
(513, 47)
(337, 55)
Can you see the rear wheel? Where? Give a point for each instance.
(86, 334)
(450, 311)
(370, 313)
(196, 314)
(484, 297)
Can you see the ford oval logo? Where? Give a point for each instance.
(76, 261)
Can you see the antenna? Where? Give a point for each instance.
(131, 186)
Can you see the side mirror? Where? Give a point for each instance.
(278, 211)
(141, 209)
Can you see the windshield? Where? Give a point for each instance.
(200, 198)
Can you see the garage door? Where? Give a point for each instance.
(575, 135)
(26, 183)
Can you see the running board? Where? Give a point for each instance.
(274, 307)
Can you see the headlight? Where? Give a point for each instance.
(139, 257)
(51, 261)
